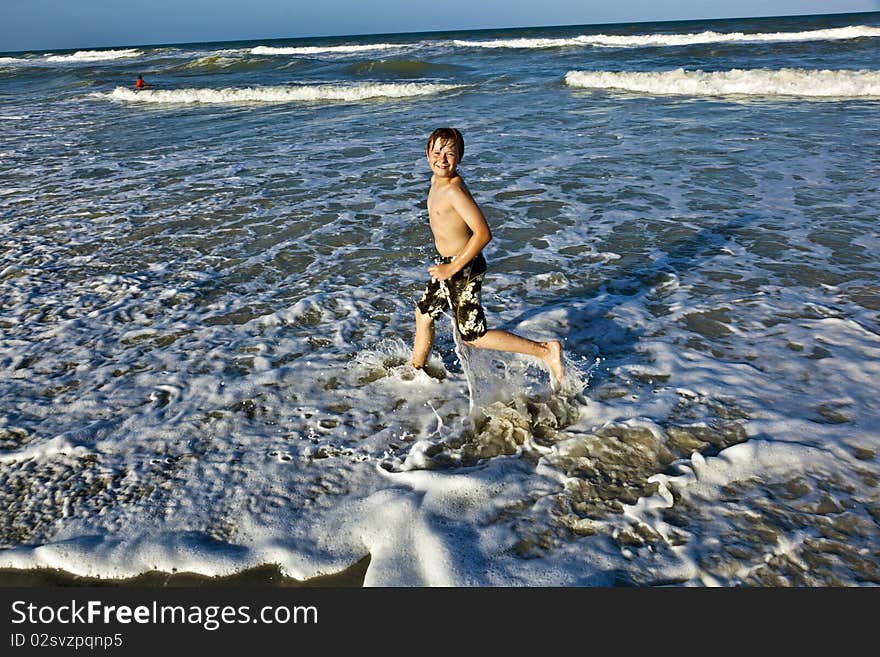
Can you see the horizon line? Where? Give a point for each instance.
(425, 32)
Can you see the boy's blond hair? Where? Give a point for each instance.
(447, 134)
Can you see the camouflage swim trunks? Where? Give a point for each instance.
(460, 294)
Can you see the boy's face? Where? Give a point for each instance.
(443, 158)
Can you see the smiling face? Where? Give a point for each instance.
(443, 157)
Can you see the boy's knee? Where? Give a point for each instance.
(472, 340)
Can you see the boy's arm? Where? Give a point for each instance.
(481, 235)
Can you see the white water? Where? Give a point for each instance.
(756, 82)
(637, 41)
(277, 94)
(314, 50)
(96, 55)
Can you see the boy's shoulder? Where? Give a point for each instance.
(450, 186)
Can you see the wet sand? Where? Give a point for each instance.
(268, 575)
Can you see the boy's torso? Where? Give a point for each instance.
(451, 233)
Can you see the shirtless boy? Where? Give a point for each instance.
(460, 234)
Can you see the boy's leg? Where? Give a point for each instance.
(471, 322)
(424, 339)
(550, 352)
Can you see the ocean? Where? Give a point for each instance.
(208, 290)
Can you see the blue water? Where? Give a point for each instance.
(207, 293)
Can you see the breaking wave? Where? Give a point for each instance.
(324, 92)
(641, 40)
(95, 55)
(313, 50)
(755, 82)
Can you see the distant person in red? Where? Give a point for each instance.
(140, 84)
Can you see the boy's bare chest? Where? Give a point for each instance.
(444, 218)
(440, 210)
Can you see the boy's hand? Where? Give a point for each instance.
(442, 272)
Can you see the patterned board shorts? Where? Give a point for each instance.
(461, 295)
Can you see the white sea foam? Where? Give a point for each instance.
(6, 61)
(314, 50)
(95, 55)
(641, 40)
(754, 82)
(303, 93)
(47, 449)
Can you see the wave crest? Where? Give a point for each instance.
(643, 40)
(754, 82)
(302, 93)
(313, 50)
(95, 55)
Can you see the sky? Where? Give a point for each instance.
(41, 25)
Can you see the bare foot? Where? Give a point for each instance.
(554, 360)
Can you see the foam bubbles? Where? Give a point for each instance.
(96, 55)
(313, 50)
(661, 40)
(286, 94)
(759, 82)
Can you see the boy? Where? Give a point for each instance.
(460, 234)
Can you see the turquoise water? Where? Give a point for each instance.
(208, 290)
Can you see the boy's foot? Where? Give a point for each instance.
(554, 360)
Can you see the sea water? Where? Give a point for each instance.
(208, 288)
